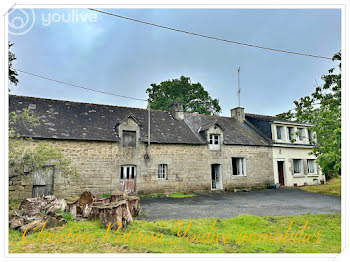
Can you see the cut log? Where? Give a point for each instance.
(55, 205)
(134, 205)
(35, 226)
(31, 227)
(115, 213)
(16, 221)
(86, 198)
(117, 207)
(72, 206)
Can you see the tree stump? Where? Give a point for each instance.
(117, 207)
(114, 212)
(134, 205)
(72, 205)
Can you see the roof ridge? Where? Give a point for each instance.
(86, 103)
(251, 114)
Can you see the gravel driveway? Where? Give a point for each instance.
(270, 202)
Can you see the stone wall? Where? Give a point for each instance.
(189, 168)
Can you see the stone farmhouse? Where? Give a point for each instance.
(186, 152)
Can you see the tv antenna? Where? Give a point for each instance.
(239, 89)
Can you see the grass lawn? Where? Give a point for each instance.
(173, 195)
(181, 195)
(332, 187)
(326, 229)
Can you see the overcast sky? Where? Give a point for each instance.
(123, 57)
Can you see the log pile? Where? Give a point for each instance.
(38, 209)
(117, 207)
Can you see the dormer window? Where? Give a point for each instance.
(129, 138)
(310, 135)
(214, 141)
(300, 134)
(279, 131)
(290, 133)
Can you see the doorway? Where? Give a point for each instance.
(43, 180)
(127, 178)
(280, 165)
(216, 177)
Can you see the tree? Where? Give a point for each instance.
(12, 73)
(323, 109)
(193, 96)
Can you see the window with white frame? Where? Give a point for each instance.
(163, 172)
(127, 172)
(214, 141)
(311, 166)
(300, 134)
(290, 133)
(298, 166)
(238, 166)
(279, 132)
(309, 132)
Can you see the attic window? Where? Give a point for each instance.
(290, 133)
(129, 138)
(309, 132)
(300, 134)
(214, 141)
(279, 130)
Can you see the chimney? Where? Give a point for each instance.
(238, 114)
(177, 110)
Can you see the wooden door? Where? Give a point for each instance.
(127, 178)
(43, 181)
(280, 172)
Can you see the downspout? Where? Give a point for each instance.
(149, 131)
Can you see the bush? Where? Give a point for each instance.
(106, 195)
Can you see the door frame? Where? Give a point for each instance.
(283, 171)
(218, 167)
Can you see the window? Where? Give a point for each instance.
(300, 134)
(290, 133)
(214, 141)
(127, 172)
(298, 166)
(309, 132)
(311, 166)
(129, 138)
(238, 166)
(279, 131)
(163, 172)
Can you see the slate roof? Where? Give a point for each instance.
(235, 133)
(208, 125)
(263, 124)
(82, 121)
(85, 121)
